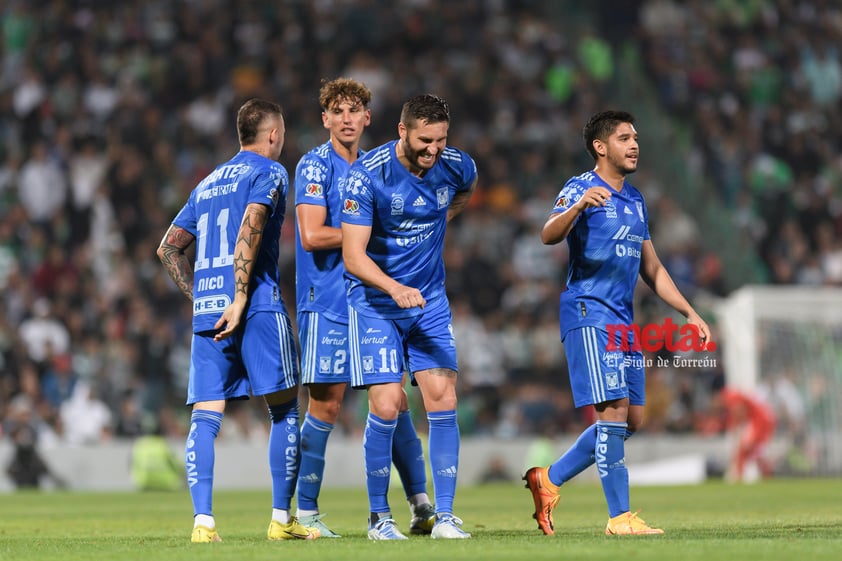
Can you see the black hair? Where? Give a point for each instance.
(251, 115)
(601, 125)
(425, 107)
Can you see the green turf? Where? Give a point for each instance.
(782, 519)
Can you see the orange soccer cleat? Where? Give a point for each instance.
(545, 496)
(629, 524)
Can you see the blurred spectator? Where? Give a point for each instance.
(53, 270)
(130, 418)
(28, 469)
(85, 418)
(58, 380)
(42, 188)
(154, 465)
(44, 334)
(87, 168)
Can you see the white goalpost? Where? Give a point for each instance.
(784, 343)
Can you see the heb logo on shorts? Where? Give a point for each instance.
(652, 337)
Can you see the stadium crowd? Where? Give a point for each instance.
(112, 112)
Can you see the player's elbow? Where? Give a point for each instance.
(350, 261)
(548, 237)
(307, 242)
(545, 239)
(161, 253)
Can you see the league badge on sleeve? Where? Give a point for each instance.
(351, 206)
(313, 190)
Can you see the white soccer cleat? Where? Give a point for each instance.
(447, 527)
(385, 529)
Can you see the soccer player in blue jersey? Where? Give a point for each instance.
(397, 200)
(242, 336)
(605, 222)
(322, 308)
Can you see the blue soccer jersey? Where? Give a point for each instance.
(605, 248)
(213, 214)
(408, 218)
(319, 275)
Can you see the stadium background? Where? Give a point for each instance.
(112, 112)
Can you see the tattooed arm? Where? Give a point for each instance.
(245, 254)
(172, 253)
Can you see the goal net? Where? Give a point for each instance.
(785, 345)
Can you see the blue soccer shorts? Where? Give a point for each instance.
(381, 348)
(259, 359)
(598, 375)
(324, 349)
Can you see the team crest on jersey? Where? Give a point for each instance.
(368, 364)
(442, 197)
(639, 206)
(313, 190)
(397, 205)
(324, 364)
(351, 207)
(612, 380)
(610, 209)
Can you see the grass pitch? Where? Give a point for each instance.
(774, 520)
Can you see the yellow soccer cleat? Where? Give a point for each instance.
(203, 534)
(292, 530)
(423, 519)
(544, 495)
(629, 524)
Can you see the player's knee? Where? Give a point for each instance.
(440, 403)
(385, 410)
(326, 411)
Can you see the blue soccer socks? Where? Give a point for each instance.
(377, 448)
(314, 436)
(408, 456)
(610, 463)
(284, 457)
(577, 459)
(444, 457)
(199, 458)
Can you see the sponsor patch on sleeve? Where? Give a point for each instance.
(351, 207)
(313, 190)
